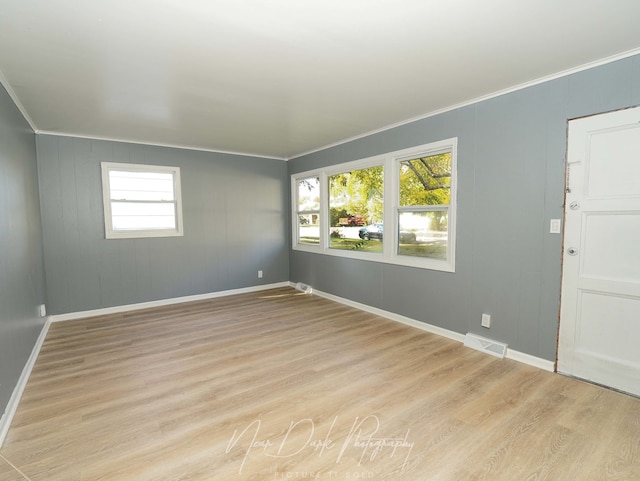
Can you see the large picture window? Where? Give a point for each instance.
(397, 208)
(141, 200)
(355, 200)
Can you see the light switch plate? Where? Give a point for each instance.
(555, 226)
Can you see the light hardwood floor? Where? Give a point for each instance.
(278, 385)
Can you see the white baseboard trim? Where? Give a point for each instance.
(511, 354)
(534, 361)
(394, 317)
(12, 406)
(163, 302)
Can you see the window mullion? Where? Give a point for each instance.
(423, 208)
(138, 201)
(324, 212)
(391, 201)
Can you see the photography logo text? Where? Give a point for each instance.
(364, 441)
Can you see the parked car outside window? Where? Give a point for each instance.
(375, 231)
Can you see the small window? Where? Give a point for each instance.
(308, 211)
(141, 200)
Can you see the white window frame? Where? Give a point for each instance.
(296, 205)
(110, 232)
(391, 163)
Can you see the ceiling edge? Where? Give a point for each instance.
(158, 144)
(7, 86)
(531, 83)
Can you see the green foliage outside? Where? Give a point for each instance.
(433, 251)
(337, 213)
(426, 180)
(314, 241)
(357, 193)
(356, 244)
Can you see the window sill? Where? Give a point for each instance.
(405, 261)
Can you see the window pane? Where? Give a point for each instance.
(426, 180)
(142, 208)
(423, 234)
(309, 194)
(140, 215)
(139, 175)
(308, 229)
(362, 239)
(141, 185)
(355, 202)
(143, 222)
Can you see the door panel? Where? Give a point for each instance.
(603, 318)
(610, 173)
(604, 255)
(599, 337)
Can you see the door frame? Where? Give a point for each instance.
(567, 187)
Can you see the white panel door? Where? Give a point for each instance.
(599, 338)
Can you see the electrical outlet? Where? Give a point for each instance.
(486, 320)
(42, 310)
(259, 274)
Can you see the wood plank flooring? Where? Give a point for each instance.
(277, 385)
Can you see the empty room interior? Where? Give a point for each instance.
(319, 240)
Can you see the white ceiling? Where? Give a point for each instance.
(278, 78)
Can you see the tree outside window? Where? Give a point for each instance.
(425, 197)
(355, 201)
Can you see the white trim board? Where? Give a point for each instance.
(163, 302)
(12, 406)
(7, 86)
(522, 357)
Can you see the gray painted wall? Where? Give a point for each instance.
(511, 163)
(21, 263)
(235, 222)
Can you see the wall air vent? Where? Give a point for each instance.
(304, 288)
(488, 346)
